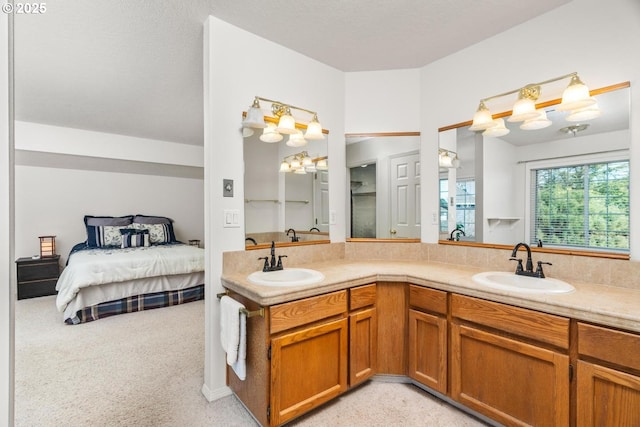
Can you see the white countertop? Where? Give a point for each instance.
(605, 305)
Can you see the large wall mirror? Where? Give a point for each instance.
(288, 207)
(383, 171)
(565, 186)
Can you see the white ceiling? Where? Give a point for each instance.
(134, 67)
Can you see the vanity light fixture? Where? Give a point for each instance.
(254, 119)
(448, 159)
(302, 163)
(576, 99)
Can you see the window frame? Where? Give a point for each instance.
(577, 160)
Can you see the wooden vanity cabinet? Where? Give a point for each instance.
(363, 334)
(428, 337)
(309, 354)
(608, 377)
(510, 364)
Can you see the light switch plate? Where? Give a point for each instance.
(231, 218)
(227, 188)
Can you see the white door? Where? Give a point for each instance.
(405, 196)
(321, 200)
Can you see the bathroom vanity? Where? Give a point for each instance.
(553, 360)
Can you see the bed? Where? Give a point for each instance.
(128, 264)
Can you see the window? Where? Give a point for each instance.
(466, 206)
(444, 206)
(584, 206)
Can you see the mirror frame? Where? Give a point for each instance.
(587, 253)
(302, 127)
(371, 239)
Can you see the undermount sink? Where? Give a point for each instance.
(525, 284)
(286, 277)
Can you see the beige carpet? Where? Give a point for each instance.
(146, 369)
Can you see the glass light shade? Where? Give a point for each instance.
(254, 119)
(247, 132)
(482, 118)
(287, 124)
(311, 168)
(306, 161)
(295, 164)
(523, 109)
(284, 167)
(269, 134)
(322, 165)
(583, 114)
(539, 122)
(314, 130)
(300, 171)
(296, 139)
(575, 96)
(445, 161)
(498, 130)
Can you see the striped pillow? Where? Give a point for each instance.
(132, 238)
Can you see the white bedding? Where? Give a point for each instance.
(101, 266)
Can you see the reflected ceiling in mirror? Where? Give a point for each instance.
(383, 170)
(498, 166)
(285, 207)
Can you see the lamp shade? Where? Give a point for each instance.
(254, 119)
(314, 130)
(498, 130)
(284, 167)
(322, 165)
(286, 124)
(296, 139)
(523, 109)
(575, 96)
(47, 246)
(539, 122)
(269, 134)
(583, 114)
(482, 118)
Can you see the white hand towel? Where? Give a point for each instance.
(233, 334)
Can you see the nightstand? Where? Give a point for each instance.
(37, 277)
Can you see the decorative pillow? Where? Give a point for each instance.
(160, 228)
(132, 238)
(104, 231)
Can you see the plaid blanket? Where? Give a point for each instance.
(137, 303)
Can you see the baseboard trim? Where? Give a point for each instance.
(216, 394)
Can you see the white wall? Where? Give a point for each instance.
(63, 174)
(54, 201)
(233, 77)
(591, 37)
(7, 276)
(382, 101)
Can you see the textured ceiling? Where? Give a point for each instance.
(135, 67)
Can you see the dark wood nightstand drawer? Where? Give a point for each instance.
(37, 277)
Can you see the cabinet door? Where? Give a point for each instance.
(607, 397)
(363, 345)
(428, 350)
(308, 368)
(514, 383)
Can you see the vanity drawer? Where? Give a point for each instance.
(609, 345)
(542, 327)
(362, 296)
(301, 312)
(428, 299)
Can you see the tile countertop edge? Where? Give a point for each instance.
(605, 305)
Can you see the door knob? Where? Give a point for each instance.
(393, 232)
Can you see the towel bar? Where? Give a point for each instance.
(258, 312)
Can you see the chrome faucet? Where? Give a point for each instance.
(528, 270)
(272, 265)
(294, 238)
(459, 230)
